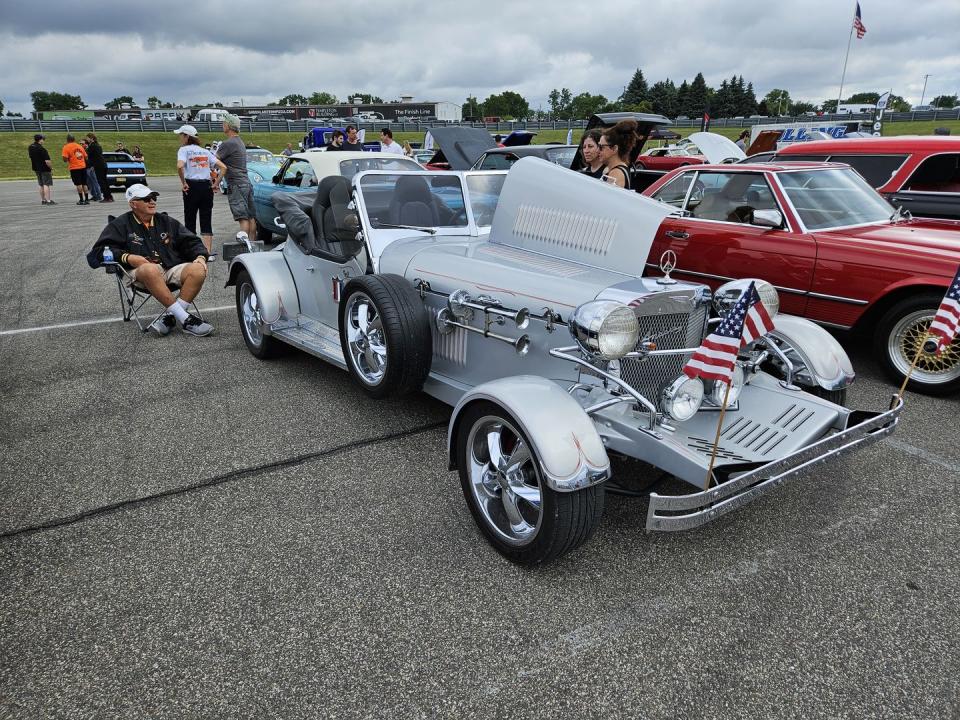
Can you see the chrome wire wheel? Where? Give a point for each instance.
(906, 340)
(365, 339)
(504, 479)
(250, 313)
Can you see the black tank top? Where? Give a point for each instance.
(598, 173)
(626, 175)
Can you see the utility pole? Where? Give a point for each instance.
(925, 77)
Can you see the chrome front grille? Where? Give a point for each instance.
(670, 332)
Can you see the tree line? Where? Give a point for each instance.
(734, 97)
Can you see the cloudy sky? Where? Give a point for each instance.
(194, 53)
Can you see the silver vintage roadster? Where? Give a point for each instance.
(518, 299)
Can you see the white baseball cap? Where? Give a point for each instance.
(139, 191)
(187, 130)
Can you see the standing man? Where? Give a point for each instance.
(76, 158)
(336, 141)
(352, 142)
(387, 144)
(92, 184)
(40, 161)
(95, 155)
(742, 140)
(233, 153)
(288, 150)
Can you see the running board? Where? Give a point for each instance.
(312, 337)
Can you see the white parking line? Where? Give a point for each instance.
(79, 323)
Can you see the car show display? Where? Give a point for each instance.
(834, 249)
(123, 171)
(518, 299)
(302, 172)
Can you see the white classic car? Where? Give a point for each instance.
(518, 299)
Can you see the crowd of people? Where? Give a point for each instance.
(158, 252)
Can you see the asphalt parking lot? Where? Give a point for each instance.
(188, 532)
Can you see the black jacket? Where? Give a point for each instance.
(167, 241)
(95, 156)
(38, 158)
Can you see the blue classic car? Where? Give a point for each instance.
(302, 172)
(123, 171)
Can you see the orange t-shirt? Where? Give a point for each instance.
(75, 156)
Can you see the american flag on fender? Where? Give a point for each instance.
(858, 24)
(716, 358)
(946, 323)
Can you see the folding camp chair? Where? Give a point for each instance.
(133, 297)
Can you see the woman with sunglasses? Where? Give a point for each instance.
(590, 150)
(615, 145)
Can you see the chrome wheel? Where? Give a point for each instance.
(906, 340)
(504, 479)
(250, 314)
(365, 339)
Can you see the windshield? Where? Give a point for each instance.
(484, 193)
(349, 168)
(421, 200)
(263, 156)
(833, 198)
(561, 156)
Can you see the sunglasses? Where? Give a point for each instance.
(148, 199)
(603, 145)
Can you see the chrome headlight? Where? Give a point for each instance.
(605, 328)
(727, 295)
(718, 389)
(682, 398)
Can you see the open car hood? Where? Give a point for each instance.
(716, 148)
(460, 146)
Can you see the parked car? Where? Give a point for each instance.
(836, 251)
(123, 171)
(504, 158)
(919, 173)
(302, 172)
(670, 157)
(540, 332)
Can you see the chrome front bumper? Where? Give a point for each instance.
(669, 512)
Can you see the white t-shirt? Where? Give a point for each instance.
(197, 162)
(393, 147)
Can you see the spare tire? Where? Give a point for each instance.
(385, 335)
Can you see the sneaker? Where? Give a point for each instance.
(212, 257)
(50, 202)
(109, 199)
(80, 202)
(163, 325)
(195, 326)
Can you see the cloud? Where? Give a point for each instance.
(200, 52)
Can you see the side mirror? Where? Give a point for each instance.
(768, 218)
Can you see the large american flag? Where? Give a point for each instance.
(716, 358)
(858, 24)
(946, 323)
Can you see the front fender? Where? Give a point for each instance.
(819, 351)
(273, 282)
(563, 435)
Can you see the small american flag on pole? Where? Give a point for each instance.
(946, 323)
(858, 24)
(716, 358)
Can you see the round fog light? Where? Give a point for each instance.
(682, 398)
(718, 389)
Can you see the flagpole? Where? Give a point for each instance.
(716, 440)
(916, 359)
(843, 76)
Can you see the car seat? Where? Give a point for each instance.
(412, 203)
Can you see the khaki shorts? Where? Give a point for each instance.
(171, 276)
(240, 199)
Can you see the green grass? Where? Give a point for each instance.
(160, 149)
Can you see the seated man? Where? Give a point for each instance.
(156, 250)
